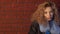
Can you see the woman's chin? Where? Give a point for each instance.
(49, 19)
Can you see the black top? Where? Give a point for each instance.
(34, 29)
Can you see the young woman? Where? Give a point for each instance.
(45, 20)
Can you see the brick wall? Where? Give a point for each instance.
(15, 15)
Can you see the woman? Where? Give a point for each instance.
(45, 20)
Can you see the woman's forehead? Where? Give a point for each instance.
(48, 9)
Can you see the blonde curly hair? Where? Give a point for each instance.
(38, 15)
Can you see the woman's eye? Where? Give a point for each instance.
(45, 12)
(51, 11)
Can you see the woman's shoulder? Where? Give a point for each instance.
(35, 24)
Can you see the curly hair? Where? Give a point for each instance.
(38, 15)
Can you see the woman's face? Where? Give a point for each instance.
(48, 13)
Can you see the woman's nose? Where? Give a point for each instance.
(49, 14)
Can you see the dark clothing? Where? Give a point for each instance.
(34, 29)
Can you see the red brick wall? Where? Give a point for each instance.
(15, 15)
